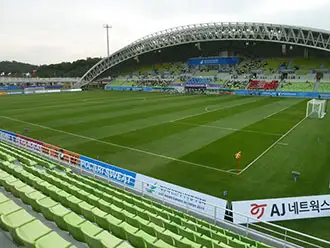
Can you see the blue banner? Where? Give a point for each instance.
(213, 61)
(9, 136)
(10, 88)
(283, 94)
(108, 171)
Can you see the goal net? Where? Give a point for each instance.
(316, 108)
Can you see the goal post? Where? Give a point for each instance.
(316, 108)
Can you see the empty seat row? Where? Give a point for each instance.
(82, 230)
(24, 228)
(32, 159)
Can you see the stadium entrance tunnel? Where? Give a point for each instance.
(239, 39)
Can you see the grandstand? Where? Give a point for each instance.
(298, 86)
(92, 211)
(324, 87)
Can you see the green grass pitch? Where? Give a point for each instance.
(189, 140)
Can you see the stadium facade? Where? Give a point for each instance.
(226, 39)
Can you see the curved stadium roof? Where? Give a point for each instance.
(284, 34)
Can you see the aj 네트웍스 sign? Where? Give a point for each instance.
(281, 209)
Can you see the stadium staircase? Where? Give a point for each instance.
(316, 85)
(94, 212)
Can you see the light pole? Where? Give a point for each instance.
(107, 27)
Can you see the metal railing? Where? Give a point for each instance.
(272, 234)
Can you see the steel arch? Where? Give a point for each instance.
(294, 35)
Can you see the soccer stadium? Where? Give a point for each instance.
(207, 135)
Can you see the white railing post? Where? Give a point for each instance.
(215, 214)
(247, 226)
(285, 237)
(142, 190)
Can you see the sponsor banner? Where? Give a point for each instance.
(28, 143)
(213, 61)
(281, 209)
(71, 90)
(7, 136)
(182, 197)
(10, 87)
(128, 88)
(108, 171)
(14, 92)
(61, 154)
(219, 92)
(283, 94)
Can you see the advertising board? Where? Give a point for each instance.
(281, 209)
(204, 204)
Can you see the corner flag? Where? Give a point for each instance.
(238, 156)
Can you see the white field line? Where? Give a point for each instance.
(229, 128)
(117, 145)
(276, 112)
(209, 111)
(272, 145)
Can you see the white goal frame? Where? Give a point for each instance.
(317, 107)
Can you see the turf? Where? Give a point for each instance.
(189, 140)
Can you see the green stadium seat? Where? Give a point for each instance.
(147, 234)
(32, 199)
(8, 207)
(58, 213)
(73, 203)
(52, 240)
(124, 245)
(3, 198)
(87, 210)
(73, 222)
(62, 197)
(89, 230)
(220, 237)
(30, 232)
(136, 241)
(237, 243)
(118, 231)
(99, 217)
(10, 222)
(13, 186)
(181, 244)
(45, 205)
(107, 240)
(24, 191)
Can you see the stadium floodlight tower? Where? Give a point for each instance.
(316, 108)
(107, 27)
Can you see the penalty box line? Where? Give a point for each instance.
(228, 128)
(120, 146)
(272, 145)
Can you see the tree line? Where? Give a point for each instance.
(65, 69)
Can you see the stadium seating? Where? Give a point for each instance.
(305, 65)
(324, 87)
(262, 85)
(298, 86)
(272, 65)
(93, 211)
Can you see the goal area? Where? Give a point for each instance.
(316, 108)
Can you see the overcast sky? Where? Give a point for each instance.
(51, 31)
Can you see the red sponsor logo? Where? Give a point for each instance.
(258, 210)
